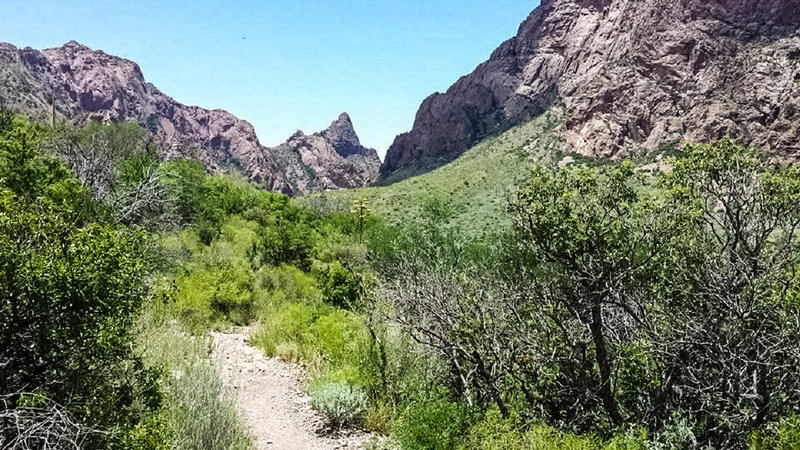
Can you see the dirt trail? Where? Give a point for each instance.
(270, 399)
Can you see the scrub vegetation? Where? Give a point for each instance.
(589, 306)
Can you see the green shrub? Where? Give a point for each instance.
(150, 434)
(67, 301)
(284, 242)
(783, 436)
(209, 295)
(432, 424)
(341, 287)
(275, 286)
(379, 418)
(496, 433)
(286, 333)
(340, 336)
(339, 402)
(201, 414)
(198, 411)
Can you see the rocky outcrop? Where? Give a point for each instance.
(333, 158)
(632, 75)
(92, 85)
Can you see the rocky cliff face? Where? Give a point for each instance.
(632, 75)
(336, 156)
(92, 85)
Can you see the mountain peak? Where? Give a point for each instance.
(75, 45)
(342, 136)
(91, 85)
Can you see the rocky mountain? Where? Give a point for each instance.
(92, 85)
(336, 155)
(631, 76)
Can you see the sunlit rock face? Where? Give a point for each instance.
(335, 156)
(92, 85)
(632, 75)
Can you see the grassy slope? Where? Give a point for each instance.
(473, 187)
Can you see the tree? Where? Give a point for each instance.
(68, 293)
(119, 167)
(737, 332)
(593, 241)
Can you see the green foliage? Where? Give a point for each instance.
(150, 434)
(783, 436)
(435, 423)
(340, 286)
(201, 415)
(119, 168)
(314, 334)
(206, 296)
(68, 296)
(198, 412)
(29, 172)
(616, 303)
(285, 242)
(339, 402)
(496, 433)
(472, 188)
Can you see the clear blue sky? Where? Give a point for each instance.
(284, 65)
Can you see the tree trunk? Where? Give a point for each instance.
(490, 385)
(601, 355)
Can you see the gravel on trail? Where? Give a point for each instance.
(271, 401)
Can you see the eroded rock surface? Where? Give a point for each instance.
(336, 156)
(632, 75)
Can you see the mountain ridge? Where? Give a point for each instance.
(632, 76)
(91, 85)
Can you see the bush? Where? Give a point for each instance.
(339, 402)
(65, 311)
(432, 424)
(783, 436)
(198, 412)
(284, 242)
(207, 296)
(286, 333)
(285, 284)
(341, 287)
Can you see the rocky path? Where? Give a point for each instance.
(270, 399)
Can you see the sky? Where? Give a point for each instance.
(284, 65)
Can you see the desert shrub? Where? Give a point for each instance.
(198, 411)
(119, 167)
(494, 432)
(25, 169)
(379, 418)
(69, 293)
(284, 242)
(314, 334)
(285, 332)
(201, 414)
(341, 287)
(279, 285)
(340, 336)
(209, 295)
(435, 423)
(784, 435)
(206, 202)
(150, 434)
(339, 402)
